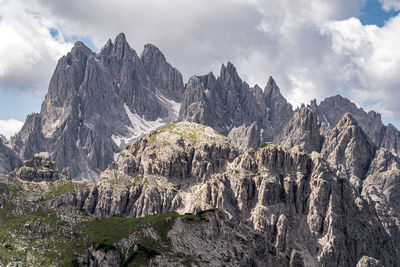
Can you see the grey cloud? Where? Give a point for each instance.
(295, 41)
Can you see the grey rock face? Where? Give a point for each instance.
(38, 168)
(208, 239)
(331, 110)
(227, 102)
(231, 241)
(99, 103)
(348, 149)
(165, 77)
(29, 139)
(299, 202)
(381, 189)
(279, 111)
(391, 139)
(286, 208)
(369, 262)
(245, 137)
(9, 160)
(222, 103)
(302, 130)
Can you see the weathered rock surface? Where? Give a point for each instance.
(227, 102)
(245, 137)
(166, 78)
(324, 195)
(99, 103)
(206, 239)
(348, 149)
(302, 130)
(332, 109)
(368, 262)
(38, 168)
(9, 160)
(311, 213)
(278, 110)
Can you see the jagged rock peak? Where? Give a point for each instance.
(107, 48)
(349, 149)
(347, 121)
(80, 44)
(79, 51)
(113, 85)
(302, 130)
(228, 71)
(120, 39)
(152, 51)
(271, 84)
(121, 46)
(332, 109)
(166, 78)
(273, 93)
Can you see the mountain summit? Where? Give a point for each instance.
(99, 103)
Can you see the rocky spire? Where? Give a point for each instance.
(97, 104)
(332, 109)
(9, 160)
(391, 139)
(120, 47)
(302, 130)
(348, 148)
(167, 79)
(279, 111)
(225, 102)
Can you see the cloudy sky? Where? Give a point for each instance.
(313, 48)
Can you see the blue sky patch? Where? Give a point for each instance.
(372, 13)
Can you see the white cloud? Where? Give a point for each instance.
(314, 49)
(372, 57)
(28, 52)
(10, 127)
(389, 5)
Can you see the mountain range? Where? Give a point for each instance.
(127, 165)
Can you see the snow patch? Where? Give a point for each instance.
(140, 125)
(172, 106)
(116, 155)
(138, 128)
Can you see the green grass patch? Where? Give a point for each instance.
(146, 182)
(136, 180)
(166, 143)
(266, 145)
(8, 188)
(103, 234)
(58, 190)
(190, 133)
(110, 230)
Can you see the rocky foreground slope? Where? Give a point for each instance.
(208, 204)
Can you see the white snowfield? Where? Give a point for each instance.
(139, 126)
